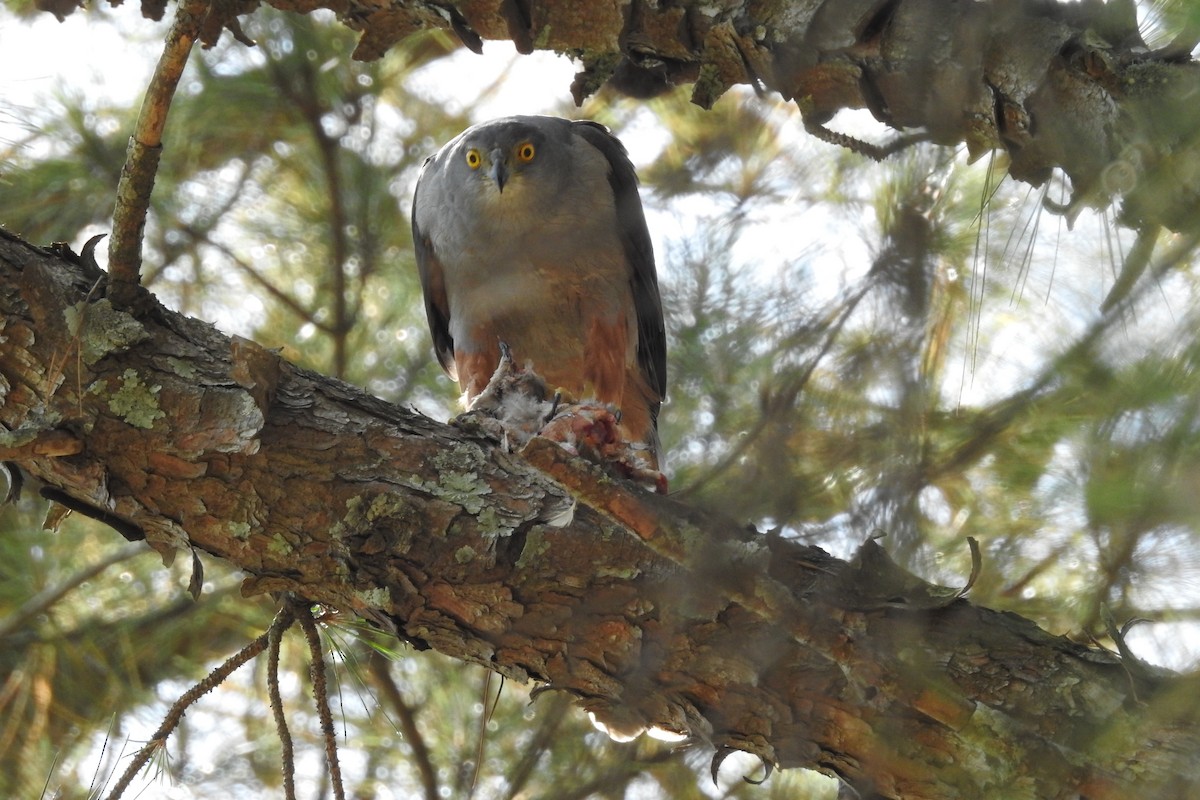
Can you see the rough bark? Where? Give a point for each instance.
(650, 613)
(1051, 85)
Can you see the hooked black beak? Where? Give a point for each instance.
(499, 171)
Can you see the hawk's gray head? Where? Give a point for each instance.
(523, 161)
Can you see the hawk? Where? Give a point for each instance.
(529, 232)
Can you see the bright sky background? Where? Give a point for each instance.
(113, 62)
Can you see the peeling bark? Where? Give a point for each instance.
(650, 613)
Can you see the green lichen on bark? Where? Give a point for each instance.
(461, 487)
(238, 530)
(101, 330)
(535, 545)
(361, 514)
(135, 401)
(490, 524)
(377, 597)
(279, 546)
(182, 368)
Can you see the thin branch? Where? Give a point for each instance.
(551, 715)
(142, 155)
(321, 695)
(408, 725)
(283, 620)
(484, 717)
(289, 302)
(175, 714)
(52, 594)
(875, 152)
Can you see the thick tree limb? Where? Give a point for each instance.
(651, 614)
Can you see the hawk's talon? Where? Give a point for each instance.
(470, 421)
(553, 407)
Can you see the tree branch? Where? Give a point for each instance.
(282, 622)
(316, 674)
(175, 714)
(145, 148)
(407, 717)
(46, 598)
(651, 614)
(1054, 85)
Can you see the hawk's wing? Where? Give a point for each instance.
(652, 337)
(433, 284)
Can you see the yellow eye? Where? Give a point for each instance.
(525, 152)
(474, 159)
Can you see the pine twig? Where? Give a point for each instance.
(145, 148)
(321, 695)
(875, 152)
(175, 714)
(484, 718)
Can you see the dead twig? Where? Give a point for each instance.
(175, 714)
